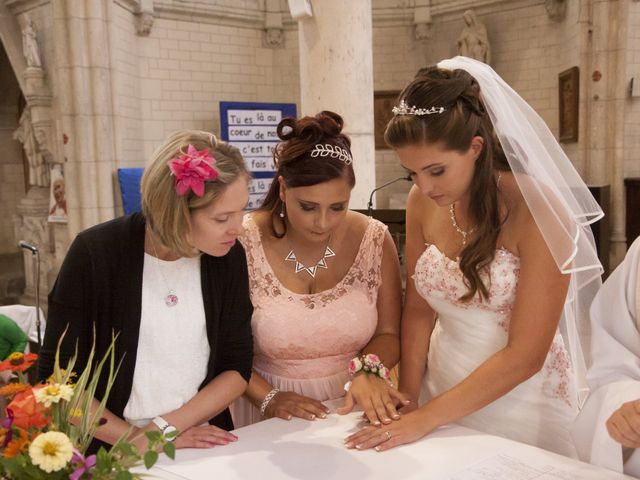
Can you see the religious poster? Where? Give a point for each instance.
(57, 198)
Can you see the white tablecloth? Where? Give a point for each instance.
(298, 449)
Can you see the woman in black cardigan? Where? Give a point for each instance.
(172, 284)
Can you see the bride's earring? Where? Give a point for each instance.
(282, 211)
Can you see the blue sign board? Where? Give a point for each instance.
(252, 128)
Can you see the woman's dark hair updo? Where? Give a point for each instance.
(298, 168)
(464, 117)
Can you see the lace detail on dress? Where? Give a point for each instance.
(556, 372)
(365, 272)
(438, 275)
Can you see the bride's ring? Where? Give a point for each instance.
(388, 434)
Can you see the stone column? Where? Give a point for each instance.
(81, 35)
(30, 225)
(336, 73)
(606, 94)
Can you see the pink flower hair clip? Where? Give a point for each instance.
(192, 169)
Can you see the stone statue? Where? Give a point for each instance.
(38, 167)
(474, 41)
(30, 44)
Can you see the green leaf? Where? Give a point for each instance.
(124, 475)
(170, 450)
(103, 460)
(150, 458)
(154, 436)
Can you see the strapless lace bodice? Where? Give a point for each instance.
(468, 333)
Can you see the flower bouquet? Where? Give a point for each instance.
(48, 427)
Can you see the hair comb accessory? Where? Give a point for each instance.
(333, 151)
(192, 169)
(404, 109)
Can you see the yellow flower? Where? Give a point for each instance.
(63, 372)
(51, 451)
(76, 412)
(53, 394)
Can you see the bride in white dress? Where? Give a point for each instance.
(502, 260)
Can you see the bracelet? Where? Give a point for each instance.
(369, 363)
(268, 397)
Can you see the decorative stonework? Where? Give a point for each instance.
(556, 9)
(144, 18)
(31, 225)
(273, 35)
(422, 20)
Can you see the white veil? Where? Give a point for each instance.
(557, 197)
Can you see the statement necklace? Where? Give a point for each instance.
(170, 299)
(291, 257)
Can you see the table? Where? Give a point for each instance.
(299, 449)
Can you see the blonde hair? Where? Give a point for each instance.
(169, 214)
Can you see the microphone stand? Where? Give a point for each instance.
(36, 255)
(370, 203)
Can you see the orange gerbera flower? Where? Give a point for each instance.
(18, 361)
(27, 412)
(17, 445)
(10, 389)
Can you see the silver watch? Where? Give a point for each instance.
(165, 427)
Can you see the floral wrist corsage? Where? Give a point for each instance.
(369, 363)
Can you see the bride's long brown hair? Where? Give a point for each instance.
(464, 118)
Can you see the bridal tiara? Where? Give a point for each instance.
(404, 109)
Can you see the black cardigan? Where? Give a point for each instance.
(100, 287)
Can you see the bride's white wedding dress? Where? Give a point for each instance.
(540, 410)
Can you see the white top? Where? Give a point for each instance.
(173, 349)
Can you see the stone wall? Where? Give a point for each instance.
(632, 107)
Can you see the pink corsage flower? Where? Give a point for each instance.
(192, 169)
(355, 365)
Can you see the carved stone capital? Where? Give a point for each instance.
(273, 38)
(144, 22)
(422, 31)
(556, 9)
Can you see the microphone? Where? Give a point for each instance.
(370, 203)
(28, 246)
(36, 267)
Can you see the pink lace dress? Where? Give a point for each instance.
(303, 342)
(540, 410)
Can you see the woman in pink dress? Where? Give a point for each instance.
(324, 282)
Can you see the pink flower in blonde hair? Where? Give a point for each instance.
(192, 169)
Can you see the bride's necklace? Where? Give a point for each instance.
(464, 233)
(300, 267)
(452, 215)
(170, 299)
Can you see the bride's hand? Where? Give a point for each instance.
(407, 429)
(287, 405)
(376, 397)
